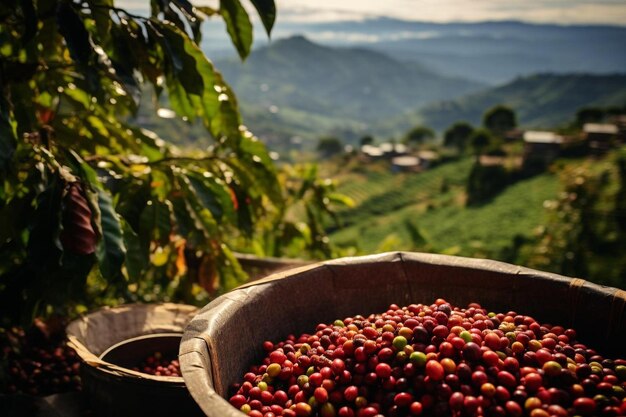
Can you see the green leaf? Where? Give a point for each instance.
(155, 222)
(238, 25)
(214, 195)
(267, 13)
(152, 146)
(185, 223)
(308, 176)
(76, 36)
(341, 199)
(126, 55)
(125, 75)
(170, 15)
(156, 6)
(230, 272)
(102, 19)
(136, 258)
(193, 19)
(227, 120)
(89, 175)
(160, 184)
(155, 31)
(111, 250)
(194, 87)
(133, 196)
(253, 158)
(179, 100)
(179, 45)
(184, 5)
(199, 82)
(147, 54)
(201, 215)
(207, 11)
(78, 97)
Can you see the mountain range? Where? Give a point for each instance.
(490, 52)
(352, 85)
(541, 101)
(297, 88)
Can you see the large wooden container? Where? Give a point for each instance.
(112, 340)
(226, 336)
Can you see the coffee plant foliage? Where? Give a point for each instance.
(94, 208)
(585, 231)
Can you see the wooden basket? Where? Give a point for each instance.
(110, 339)
(226, 336)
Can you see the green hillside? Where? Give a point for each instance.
(427, 211)
(340, 86)
(296, 88)
(540, 101)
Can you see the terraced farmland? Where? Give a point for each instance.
(377, 193)
(432, 203)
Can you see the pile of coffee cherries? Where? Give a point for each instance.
(37, 362)
(433, 360)
(159, 365)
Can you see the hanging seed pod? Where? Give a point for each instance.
(78, 235)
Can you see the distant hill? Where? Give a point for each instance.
(491, 52)
(294, 91)
(337, 87)
(542, 100)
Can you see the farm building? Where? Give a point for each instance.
(372, 152)
(427, 158)
(540, 149)
(405, 163)
(600, 136)
(384, 150)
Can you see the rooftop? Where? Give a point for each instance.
(600, 128)
(428, 155)
(388, 147)
(405, 161)
(370, 150)
(540, 136)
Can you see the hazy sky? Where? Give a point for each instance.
(553, 11)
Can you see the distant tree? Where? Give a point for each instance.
(366, 140)
(418, 135)
(615, 110)
(589, 115)
(329, 146)
(457, 135)
(480, 141)
(499, 119)
(485, 182)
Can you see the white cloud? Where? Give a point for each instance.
(541, 11)
(359, 37)
(544, 11)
